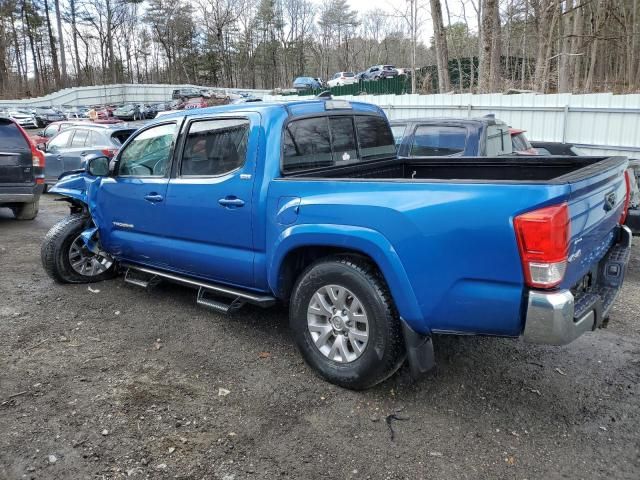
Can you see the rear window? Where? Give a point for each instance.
(438, 140)
(11, 137)
(349, 74)
(335, 140)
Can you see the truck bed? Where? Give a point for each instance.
(473, 169)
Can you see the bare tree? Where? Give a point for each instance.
(440, 41)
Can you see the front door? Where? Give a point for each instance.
(129, 206)
(208, 214)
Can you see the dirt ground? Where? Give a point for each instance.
(120, 382)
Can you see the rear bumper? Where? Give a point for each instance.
(21, 194)
(558, 318)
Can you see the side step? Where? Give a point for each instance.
(202, 299)
(144, 281)
(240, 297)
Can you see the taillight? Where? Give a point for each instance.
(627, 197)
(109, 152)
(543, 241)
(37, 156)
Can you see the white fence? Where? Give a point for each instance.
(107, 94)
(601, 124)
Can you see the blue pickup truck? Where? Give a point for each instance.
(306, 203)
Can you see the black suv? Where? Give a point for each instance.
(185, 93)
(21, 171)
(45, 116)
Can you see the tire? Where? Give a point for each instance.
(56, 254)
(361, 366)
(26, 211)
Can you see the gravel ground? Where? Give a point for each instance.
(119, 382)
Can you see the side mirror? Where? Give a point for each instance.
(98, 166)
(42, 147)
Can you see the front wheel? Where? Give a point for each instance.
(345, 323)
(66, 258)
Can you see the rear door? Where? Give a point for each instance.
(73, 155)
(16, 160)
(208, 216)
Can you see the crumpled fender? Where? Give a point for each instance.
(80, 188)
(368, 241)
(73, 186)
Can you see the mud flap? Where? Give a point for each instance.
(419, 351)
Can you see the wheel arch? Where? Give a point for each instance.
(300, 245)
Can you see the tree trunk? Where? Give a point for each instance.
(442, 53)
(577, 44)
(63, 58)
(496, 49)
(52, 43)
(565, 25)
(488, 18)
(74, 35)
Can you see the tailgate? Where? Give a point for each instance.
(596, 202)
(16, 160)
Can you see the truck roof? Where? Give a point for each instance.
(486, 120)
(295, 108)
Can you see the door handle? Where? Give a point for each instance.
(153, 198)
(230, 202)
(84, 154)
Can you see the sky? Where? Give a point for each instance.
(456, 11)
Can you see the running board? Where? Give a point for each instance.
(239, 296)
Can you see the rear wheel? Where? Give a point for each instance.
(345, 323)
(26, 211)
(66, 258)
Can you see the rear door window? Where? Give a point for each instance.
(438, 140)
(498, 141)
(11, 137)
(60, 141)
(215, 147)
(79, 138)
(93, 139)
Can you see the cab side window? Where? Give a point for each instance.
(215, 147)
(149, 152)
